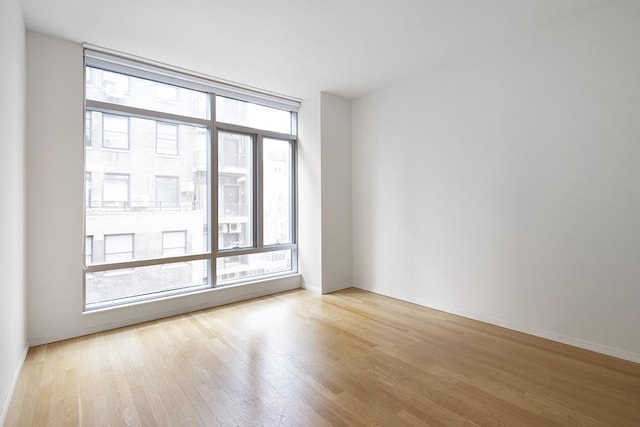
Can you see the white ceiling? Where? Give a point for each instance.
(298, 47)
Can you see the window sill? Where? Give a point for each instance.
(241, 291)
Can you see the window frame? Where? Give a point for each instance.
(292, 192)
(122, 271)
(258, 214)
(170, 77)
(253, 186)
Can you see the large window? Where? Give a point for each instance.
(192, 187)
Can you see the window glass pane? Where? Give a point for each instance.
(88, 250)
(88, 189)
(166, 92)
(252, 115)
(115, 84)
(115, 191)
(167, 138)
(138, 192)
(118, 247)
(109, 286)
(167, 191)
(174, 243)
(87, 128)
(121, 89)
(148, 182)
(235, 190)
(233, 268)
(277, 191)
(115, 132)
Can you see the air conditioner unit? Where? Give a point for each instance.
(234, 228)
(223, 228)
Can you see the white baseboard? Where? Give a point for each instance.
(312, 289)
(308, 287)
(336, 288)
(12, 386)
(575, 342)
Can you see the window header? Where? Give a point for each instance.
(138, 67)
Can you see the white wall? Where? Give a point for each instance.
(337, 262)
(54, 208)
(505, 187)
(13, 329)
(310, 193)
(324, 193)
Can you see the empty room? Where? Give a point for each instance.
(320, 213)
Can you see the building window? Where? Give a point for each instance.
(167, 191)
(115, 191)
(240, 150)
(118, 247)
(115, 132)
(174, 243)
(167, 139)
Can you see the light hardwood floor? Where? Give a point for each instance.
(346, 359)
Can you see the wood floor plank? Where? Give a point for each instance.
(352, 358)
